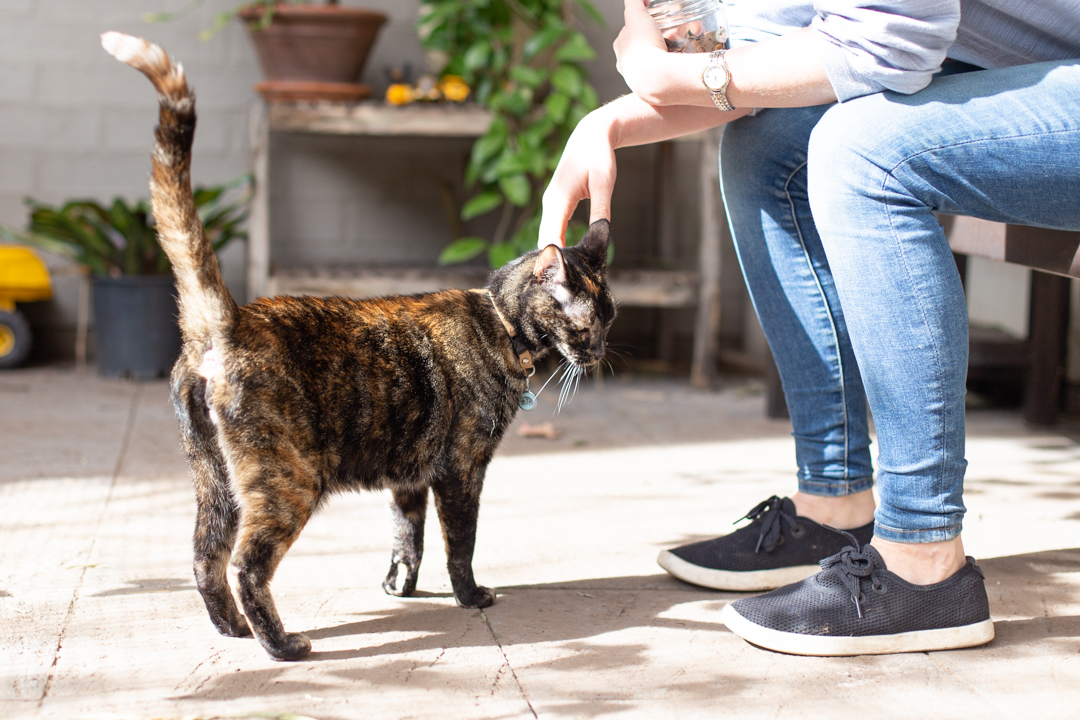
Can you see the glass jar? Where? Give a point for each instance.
(691, 26)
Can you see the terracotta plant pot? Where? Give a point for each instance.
(314, 43)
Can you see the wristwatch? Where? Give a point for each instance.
(716, 76)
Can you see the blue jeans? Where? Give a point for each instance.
(832, 212)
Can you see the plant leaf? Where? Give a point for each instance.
(589, 100)
(462, 250)
(501, 253)
(516, 188)
(477, 56)
(517, 101)
(525, 239)
(488, 146)
(510, 163)
(123, 238)
(592, 12)
(541, 40)
(576, 49)
(567, 79)
(485, 202)
(528, 76)
(557, 104)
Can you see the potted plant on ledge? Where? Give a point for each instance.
(308, 50)
(134, 298)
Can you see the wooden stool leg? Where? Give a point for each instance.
(1047, 336)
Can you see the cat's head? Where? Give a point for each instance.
(568, 305)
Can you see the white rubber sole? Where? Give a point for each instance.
(749, 581)
(917, 641)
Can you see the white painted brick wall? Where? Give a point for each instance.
(83, 122)
(74, 123)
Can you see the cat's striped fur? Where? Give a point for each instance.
(286, 400)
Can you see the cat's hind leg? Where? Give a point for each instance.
(408, 509)
(457, 501)
(215, 533)
(216, 518)
(278, 492)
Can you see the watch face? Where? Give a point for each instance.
(715, 77)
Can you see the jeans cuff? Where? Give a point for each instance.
(951, 530)
(827, 487)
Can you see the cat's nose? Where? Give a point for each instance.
(597, 348)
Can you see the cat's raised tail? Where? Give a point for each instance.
(207, 310)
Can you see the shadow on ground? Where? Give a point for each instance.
(1033, 588)
(570, 616)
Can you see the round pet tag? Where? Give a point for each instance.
(527, 401)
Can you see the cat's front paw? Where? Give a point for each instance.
(295, 647)
(480, 598)
(236, 627)
(408, 585)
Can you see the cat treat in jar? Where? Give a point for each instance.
(691, 26)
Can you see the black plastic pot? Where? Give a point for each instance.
(135, 326)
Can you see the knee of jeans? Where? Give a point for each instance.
(847, 154)
(838, 151)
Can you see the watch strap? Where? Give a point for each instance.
(719, 97)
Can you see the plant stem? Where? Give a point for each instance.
(504, 223)
(522, 11)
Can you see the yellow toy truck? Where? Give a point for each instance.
(23, 278)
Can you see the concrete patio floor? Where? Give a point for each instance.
(99, 617)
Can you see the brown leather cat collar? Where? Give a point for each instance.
(524, 356)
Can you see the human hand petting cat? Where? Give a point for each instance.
(586, 170)
(587, 167)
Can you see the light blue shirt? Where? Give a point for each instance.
(899, 44)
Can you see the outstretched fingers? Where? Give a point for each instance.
(586, 171)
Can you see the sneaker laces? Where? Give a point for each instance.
(852, 564)
(772, 518)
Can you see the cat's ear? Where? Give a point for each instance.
(549, 267)
(594, 245)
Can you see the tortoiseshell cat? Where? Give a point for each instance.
(287, 400)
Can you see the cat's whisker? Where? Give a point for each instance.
(569, 369)
(549, 379)
(572, 382)
(565, 385)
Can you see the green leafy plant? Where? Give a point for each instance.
(121, 239)
(221, 20)
(523, 59)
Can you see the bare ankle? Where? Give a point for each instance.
(922, 563)
(843, 512)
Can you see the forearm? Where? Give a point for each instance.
(785, 72)
(586, 169)
(631, 121)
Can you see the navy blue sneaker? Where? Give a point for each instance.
(855, 606)
(777, 548)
